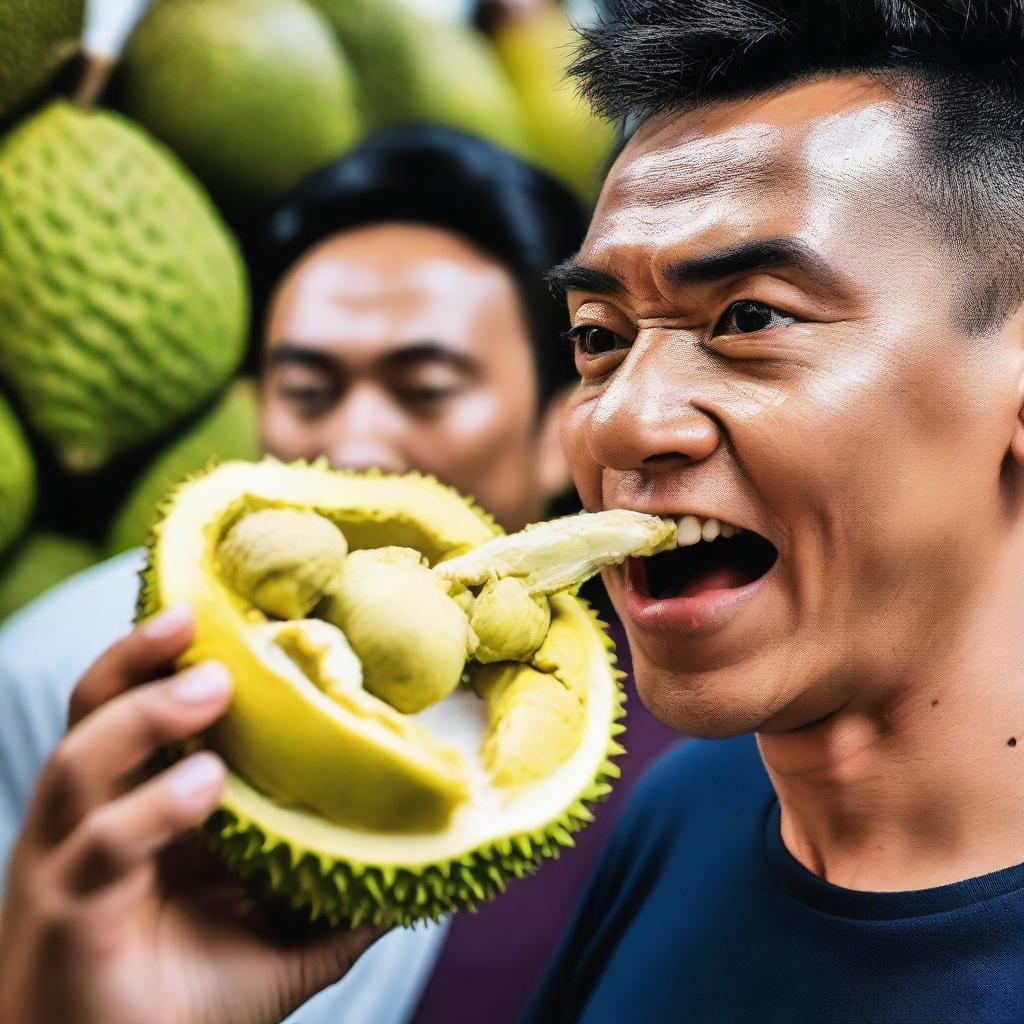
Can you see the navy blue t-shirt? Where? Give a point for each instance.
(698, 913)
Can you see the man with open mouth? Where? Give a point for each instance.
(798, 321)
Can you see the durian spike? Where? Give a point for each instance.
(562, 553)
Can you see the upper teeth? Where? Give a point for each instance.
(692, 529)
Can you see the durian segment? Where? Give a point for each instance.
(282, 733)
(282, 559)
(336, 802)
(411, 637)
(536, 721)
(508, 622)
(563, 553)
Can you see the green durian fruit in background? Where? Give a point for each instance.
(17, 477)
(35, 36)
(40, 562)
(251, 94)
(123, 302)
(229, 430)
(415, 68)
(573, 143)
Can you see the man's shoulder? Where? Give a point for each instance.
(75, 621)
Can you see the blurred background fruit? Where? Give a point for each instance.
(35, 36)
(416, 68)
(123, 296)
(17, 478)
(251, 94)
(40, 561)
(534, 41)
(230, 430)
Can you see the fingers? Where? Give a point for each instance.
(138, 657)
(120, 836)
(88, 767)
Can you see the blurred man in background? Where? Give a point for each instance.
(407, 327)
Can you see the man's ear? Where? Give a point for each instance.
(1017, 439)
(553, 475)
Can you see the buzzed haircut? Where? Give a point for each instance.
(957, 64)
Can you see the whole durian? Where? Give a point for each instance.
(337, 802)
(123, 301)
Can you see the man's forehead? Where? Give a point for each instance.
(754, 166)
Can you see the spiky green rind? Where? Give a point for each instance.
(122, 296)
(343, 892)
(17, 478)
(252, 94)
(229, 430)
(35, 35)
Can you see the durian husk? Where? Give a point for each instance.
(297, 857)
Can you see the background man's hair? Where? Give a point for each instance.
(959, 62)
(429, 174)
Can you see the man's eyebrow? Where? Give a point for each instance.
(749, 256)
(571, 275)
(428, 352)
(291, 353)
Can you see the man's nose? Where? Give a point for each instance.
(651, 411)
(366, 432)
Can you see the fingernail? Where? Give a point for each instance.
(200, 772)
(167, 623)
(203, 683)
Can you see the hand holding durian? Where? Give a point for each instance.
(422, 707)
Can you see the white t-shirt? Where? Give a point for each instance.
(44, 649)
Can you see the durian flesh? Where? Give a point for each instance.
(337, 801)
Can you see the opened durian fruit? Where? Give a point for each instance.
(422, 707)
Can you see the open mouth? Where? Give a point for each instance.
(709, 557)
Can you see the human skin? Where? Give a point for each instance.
(402, 346)
(864, 432)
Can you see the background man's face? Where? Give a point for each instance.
(402, 346)
(839, 410)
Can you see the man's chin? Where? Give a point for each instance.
(707, 709)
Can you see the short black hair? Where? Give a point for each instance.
(431, 174)
(959, 62)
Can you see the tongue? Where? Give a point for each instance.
(719, 577)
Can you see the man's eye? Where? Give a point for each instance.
(428, 396)
(747, 317)
(309, 401)
(594, 341)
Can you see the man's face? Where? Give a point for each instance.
(403, 347)
(768, 335)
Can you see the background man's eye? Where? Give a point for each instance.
(747, 316)
(595, 341)
(428, 396)
(308, 401)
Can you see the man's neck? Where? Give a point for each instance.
(926, 787)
